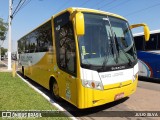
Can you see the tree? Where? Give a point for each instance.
(3, 29)
(3, 51)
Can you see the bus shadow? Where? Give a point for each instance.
(71, 108)
(146, 79)
(91, 111)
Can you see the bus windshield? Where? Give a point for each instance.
(107, 41)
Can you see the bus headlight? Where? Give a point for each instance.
(135, 77)
(92, 84)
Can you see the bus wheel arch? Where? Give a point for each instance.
(54, 88)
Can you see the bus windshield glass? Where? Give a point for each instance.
(107, 41)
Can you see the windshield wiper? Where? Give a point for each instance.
(107, 53)
(117, 45)
(113, 49)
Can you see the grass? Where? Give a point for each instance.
(17, 95)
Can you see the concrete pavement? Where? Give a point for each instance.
(3, 67)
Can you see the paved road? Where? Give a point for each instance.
(3, 66)
(5, 61)
(146, 98)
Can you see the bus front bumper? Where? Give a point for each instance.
(94, 97)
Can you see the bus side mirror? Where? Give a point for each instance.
(79, 22)
(146, 33)
(145, 28)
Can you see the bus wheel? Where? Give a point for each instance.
(23, 72)
(54, 90)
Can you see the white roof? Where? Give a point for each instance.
(142, 33)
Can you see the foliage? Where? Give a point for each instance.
(3, 51)
(3, 29)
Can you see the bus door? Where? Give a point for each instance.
(68, 87)
(66, 56)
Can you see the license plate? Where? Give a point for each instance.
(119, 96)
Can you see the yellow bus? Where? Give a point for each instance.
(85, 56)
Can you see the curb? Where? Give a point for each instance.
(48, 99)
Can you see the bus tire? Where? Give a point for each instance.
(23, 72)
(54, 89)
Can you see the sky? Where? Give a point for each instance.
(38, 11)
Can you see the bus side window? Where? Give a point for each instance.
(38, 40)
(158, 37)
(21, 46)
(27, 45)
(139, 42)
(67, 48)
(65, 44)
(152, 44)
(43, 37)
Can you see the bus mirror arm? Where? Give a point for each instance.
(145, 28)
(71, 17)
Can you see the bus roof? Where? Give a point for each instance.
(142, 33)
(72, 9)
